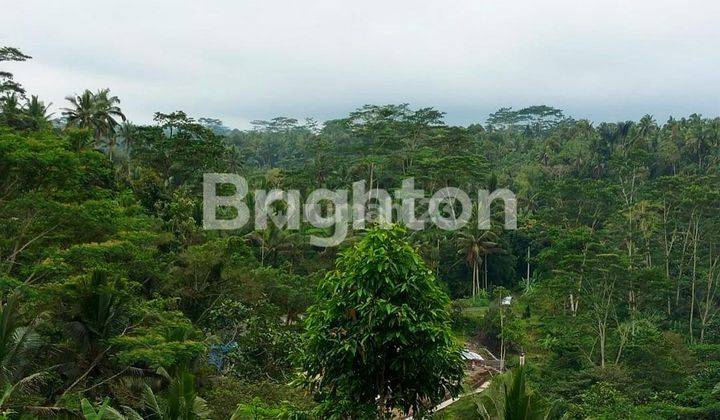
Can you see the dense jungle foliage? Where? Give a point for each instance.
(117, 304)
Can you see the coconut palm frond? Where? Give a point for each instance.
(150, 401)
(31, 383)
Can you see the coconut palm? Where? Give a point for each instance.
(550, 148)
(96, 111)
(477, 244)
(107, 108)
(37, 109)
(647, 126)
(179, 402)
(509, 398)
(17, 344)
(82, 112)
(274, 243)
(37, 112)
(105, 412)
(108, 111)
(127, 132)
(98, 313)
(10, 110)
(697, 139)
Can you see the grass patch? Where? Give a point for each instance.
(224, 395)
(467, 316)
(464, 408)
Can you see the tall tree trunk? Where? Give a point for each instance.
(710, 290)
(474, 277)
(668, 242)
(502, 339)
(601, 334)
(694, 278)
(486, 271)
(527, 275)
(681, 268)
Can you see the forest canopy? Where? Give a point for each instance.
(117, 304)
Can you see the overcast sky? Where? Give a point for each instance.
(255, 59)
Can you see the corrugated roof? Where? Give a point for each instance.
(470, 355)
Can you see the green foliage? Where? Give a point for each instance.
(109, 281)
(603, 401)
(257, 410)
(18, 342)
(180, 401)
(463, 409)
(8, 86)
(227, 394)
(380, 327)
(104, 411)
(98, 112)
(535, 119)
(467, 314)
(509, 398)
(160, 338)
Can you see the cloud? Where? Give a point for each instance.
(252, 59)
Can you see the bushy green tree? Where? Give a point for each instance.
(379, 337)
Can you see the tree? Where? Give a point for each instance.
(36, 111)
(12, 113)
(17, 345)
(172, 120)
(7, 84)
(534, 119)
(127, 132)
(179, 402)
(274, 242)
(379, 338)
(105, 412)
(108, 111)
(179, 151)
(509, 398)
(82, 112)
(98, 111)
(477, 245)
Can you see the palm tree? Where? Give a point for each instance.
(550, 148)
(622, 134)
(107, 107)
(697, 138)
(98, 313)
(179, 402)
(37, 110)
(428, 243)
(33, 115)
(17, 343)
(127, 132)
(97, 111)
(476, 245)
(82, 113)
(274, 243)
(10, 111)
(105, 412)
(108, 111)
(509, 398)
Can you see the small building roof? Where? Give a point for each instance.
(470, 355)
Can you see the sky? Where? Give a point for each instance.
(244, 60)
